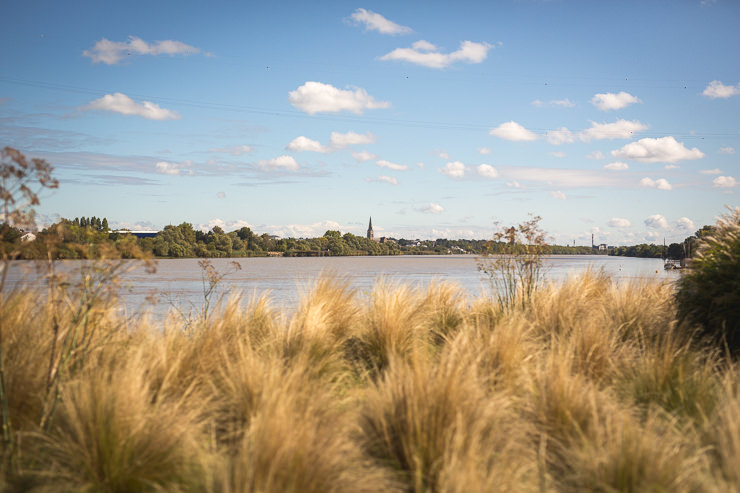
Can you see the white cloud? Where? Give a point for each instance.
(715, 171)
(726, 150)
(513, 131)
(621, 129)
(234, 151)
(671, 166)
(484, 150)
(383, 179)
(305, 144)
(112, 52)
(340, 141)
(455, 169)
(221, 195)
(317, 97)
(513, 184)
(558, 195)
(656, 221)
(610, 101)
(423, 45)
(717, 89)
(363, 156)
(660, 183)
(432, 208)
(724, 182)
(619, 222)
(617, 166)
(120, 103)
(225, 225)
(685, 224)
(420, 164)
(376, 22)
(664, 149)
(441, 153)
(558, 154)
(167, 168)
(394, 166)
(281, 162)
(560, 136)
(595, 155)
(563, 103)
(426, 54)
(487, 170)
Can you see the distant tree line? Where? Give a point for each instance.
(90, 237)
(674, 251)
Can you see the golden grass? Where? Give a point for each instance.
(590, 386)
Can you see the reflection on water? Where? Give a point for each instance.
(180, 281)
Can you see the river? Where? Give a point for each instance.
(180, 282)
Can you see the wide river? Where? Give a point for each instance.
(180, 282)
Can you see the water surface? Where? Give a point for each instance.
(181, 282)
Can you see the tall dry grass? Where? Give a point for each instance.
(588, 386)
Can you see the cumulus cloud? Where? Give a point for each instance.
(616, 166)
(383, 179)
(685, 224)
(487, 170)
(305, 144)
(376, 22)
(558, 154)
(317, 97)
(341, 141)
(514, 184)
(431, 208)
(168, 168)
(363, 156)
(281, 162)
(671, 166)
(394, 166)
(619, 222)
(726, 150)
(595, 155)
(124, 105)
(112, 52)
(717, 90)
(454, 169)
(715, 171)
(621, 129)
(426, 54)
(234, 151)
(558, 195)
(656, 221)
(560, 136)
(724, 182)
(484, 150)
(610, 101)
(513, 131)
(660, 183)
(664, 149)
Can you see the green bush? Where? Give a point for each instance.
(708, 294)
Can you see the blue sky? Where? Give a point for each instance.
(619, 119)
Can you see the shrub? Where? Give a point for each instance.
(708, 295)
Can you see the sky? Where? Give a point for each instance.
(618, 119)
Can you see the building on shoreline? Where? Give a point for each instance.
(370, 232)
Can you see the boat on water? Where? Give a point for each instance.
(670, 264)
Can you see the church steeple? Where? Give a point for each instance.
(370, 233)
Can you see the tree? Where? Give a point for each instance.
(708, 293)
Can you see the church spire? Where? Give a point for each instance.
(370, 233)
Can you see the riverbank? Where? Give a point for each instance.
(590, 384)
